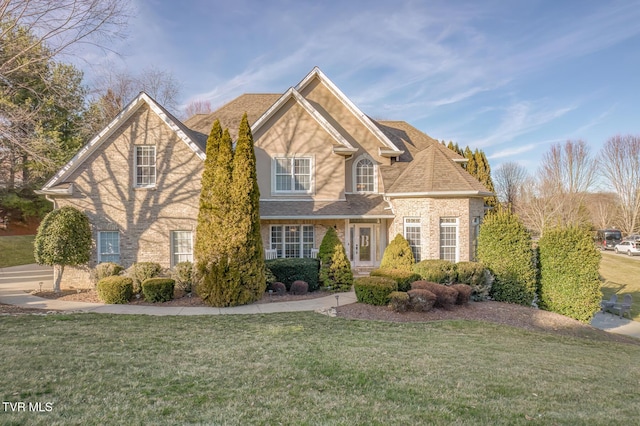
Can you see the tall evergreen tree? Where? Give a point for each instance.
(248, 254)
(483, 174)
(471, 165)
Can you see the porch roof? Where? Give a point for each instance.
(363, 206)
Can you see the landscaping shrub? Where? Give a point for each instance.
(278, 288)
(107, 269)
(115, 289)
(182, 274)
(374, 290)
(504, 247)
(158, 289)
(421, 300)
(269, 277)
(404, 278)
(398, 255)
(569, 283)
(464, 293)
(337, 275)
(436, 270)
(292, 269)
(399, 301)
(477, 276)
(328, 244)
(446, 296)
(299, 288)
(139, 272)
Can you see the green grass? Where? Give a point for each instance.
(304, 368)
(16, 250)
(621, 275)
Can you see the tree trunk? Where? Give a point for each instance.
(57, 277)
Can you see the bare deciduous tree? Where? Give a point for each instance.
(197, 107)
(509, 178)
(620, 166)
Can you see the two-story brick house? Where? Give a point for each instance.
(321, 163)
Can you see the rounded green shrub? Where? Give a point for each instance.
(398, 255)
(288, 270)
(399, 301)
(158, 289)
(403, 277)
(107, 269)
(569, 280)
(115, 289)
(374, 290)
(141, 271)
(182, 274)
(436, 270)
(278, 288)
(299, 288)
(421, 300)
(446, 296)
(464, 293)
(477, 276)
(504, 247)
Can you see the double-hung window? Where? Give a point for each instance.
(293, 174)
(181, 247)
(292, 240)
(449, 238)
(108, 246)
(145, 166)
(412, 233)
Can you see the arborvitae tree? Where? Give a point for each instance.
(471, 165)
(329, 241)
(248, 253)
(63, 238)
(569, 279)
(398, 255)
(504, 247)
(337, 274)
(483, 174)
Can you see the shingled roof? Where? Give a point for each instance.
(353, 206)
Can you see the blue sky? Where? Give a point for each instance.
(509, 77)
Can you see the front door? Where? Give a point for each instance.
(362, 243)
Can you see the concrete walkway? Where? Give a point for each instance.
(17, 281)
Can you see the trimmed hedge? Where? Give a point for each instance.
(569, 280)
(299, 288)
(464, 293)
(292, 269)
(403, 277)
(141, 271)
(446, 296)
(477, 276)
(104, 270)
(421, 300)
(398, 255)
(436, 270)
(399, 301)
(115, 289)
(158, 289)
(374, 290)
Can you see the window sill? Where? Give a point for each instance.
(144, 188)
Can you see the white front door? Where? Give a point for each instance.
(363, 245)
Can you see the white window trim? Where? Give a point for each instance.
(312, 180)
(354, 171)
(135, 166)
(413, 225)
(457, 226)
(301, 243)
(99, 251)
(173, 253)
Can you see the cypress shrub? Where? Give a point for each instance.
(158, 289)
(337, 274)
(141, 271)
(477, 276)
(398, 255)
(182, 274)
(399, 301)
(504, 247)
(446, 296)
(403, 277)
(291, 269)
(219, 283)
(374, 290)
(436, 270)
(115, 289)
(569, 280)
(107, 269)
(328, 244)
(421, 300)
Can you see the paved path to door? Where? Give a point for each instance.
(16, 281)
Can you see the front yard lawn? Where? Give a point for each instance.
(305, 368)
(16, 250)
(621, 275)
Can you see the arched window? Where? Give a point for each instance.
(365, 176)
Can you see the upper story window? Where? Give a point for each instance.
(145, 166)
(293, 174)
(365, 175)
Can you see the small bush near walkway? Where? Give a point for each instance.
(403, 277)
(158, 289)
(107, 269)
(182, 274)
(421, 300)
(398, 255)
(141, 271)
(446, 296)
(115, 289)
(436, 270)
(374, 290)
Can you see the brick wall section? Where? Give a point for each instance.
(430, 210)
(103, 189)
